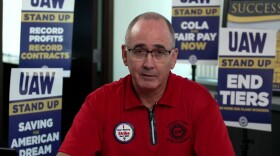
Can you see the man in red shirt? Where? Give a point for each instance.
(150, 112)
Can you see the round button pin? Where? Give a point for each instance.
(124, 132)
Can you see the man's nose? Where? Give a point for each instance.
(149, 60)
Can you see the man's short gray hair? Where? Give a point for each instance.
(154, 16)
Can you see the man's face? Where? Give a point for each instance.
(149, 73)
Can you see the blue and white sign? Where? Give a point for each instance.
(259, 14)
(246, 62)
(196, 25)
(35, 110)
(46, 34)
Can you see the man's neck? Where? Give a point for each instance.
(149, 101)
(149, 98)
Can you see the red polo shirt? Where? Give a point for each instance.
(186, 121)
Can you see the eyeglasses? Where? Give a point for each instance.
(157, 54)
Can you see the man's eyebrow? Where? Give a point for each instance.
(157, 46)
(140, 46)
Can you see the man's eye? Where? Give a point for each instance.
(138, 50)
(159, 52)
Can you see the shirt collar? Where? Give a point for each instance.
(132, 101)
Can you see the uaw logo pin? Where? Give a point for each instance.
(178, 132)
(124, 132)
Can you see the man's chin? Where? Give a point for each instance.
(148, 86)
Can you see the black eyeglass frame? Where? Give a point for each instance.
(151, 51)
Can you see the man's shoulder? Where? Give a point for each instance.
(181, 80)
(117, 84)
(186, 83)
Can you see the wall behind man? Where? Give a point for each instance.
(124, 12)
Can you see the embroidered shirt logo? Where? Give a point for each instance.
(177, 132)
(124, 132)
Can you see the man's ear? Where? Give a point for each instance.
(124, 55)
(174, 57)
